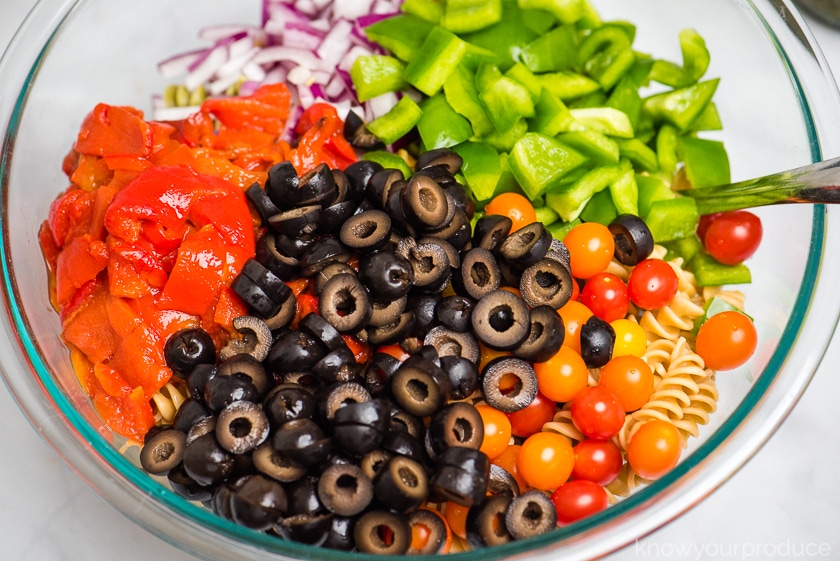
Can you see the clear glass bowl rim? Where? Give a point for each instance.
(199, 532)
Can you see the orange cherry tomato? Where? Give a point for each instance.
(507, 461)
(591, 247)
(546, 460)
(726, 340)
(654, 449)
(561, 377)
(515, 206)
(456, 518)
(630, 378)
(574, 315)
(420, 534)
(497, 430)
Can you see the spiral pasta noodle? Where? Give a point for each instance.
(167, 401)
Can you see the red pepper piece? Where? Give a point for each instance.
(79, 262)
(130, 416)
(70, 213)
(90, 172)
(265, 110)
(115, 131)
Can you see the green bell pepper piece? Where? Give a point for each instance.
(464, 16)
(642, 156)
(374, 75)
(546, 215)
(568, 85)
(440, 126)
(672, 219)
(524, 76)
(539, 162)
(608, 67)
(402, 34)
(551, 116)
(685, 248)
(559, 229)
(397, 122)
(388, 160)
(570, 199)
(625, 97)
(681, 106)
(429, 10)
(599, 148)
(666, 148)
(695, 62)
(652, 188)
(590, 19)
(608, 37)
(714, 306)
(708, 272)
(600, 208)
(625, 192)
(606, 120)
(567, 11)
(506, 38)
(481, 168)
(595, 99)
(706, 162)
(435, 60)
(552, 51)
(504, 141)
(506, 100)
(462, 94)
(708, 120)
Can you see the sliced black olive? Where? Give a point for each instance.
(220, 501)
(502, 482)
(382, 532)
(509, 370)
(633, 240)
(206, 462)
(206, 425)
(306, 380)
(401, 485)
(387, 311)
(339, 395)
(272, 463)
(292, 246)
(526, 246)
(302, 220)
(434, 528)
(403, 420)
(344, 192)
(256, 339)
(457, 424)
(259, 288)
(486, 523)
(261, 202)
(340, 536)
(372, 462)
(337, 366)
(367, 231)
(360, 427)
(423, 306)
(453, 343)
(387, 275)
(257, 502)
(491, 230)
(198, 378)
(321, 329)
(452, 253)
(393, 332)
(431, 266)
(221, 391)
(545, 337)
(335, 215)
(597, 339)
(286, 403)
(188, 414)
(358, 135)
(417, 390)
(302, 496)
(359, 174)
(295, 351)
(547, 281)
(303, 442)
(163, 452)
(241, 427)
(187, 348)
(345, 303)
(380, 183)
(399, 442)
(455, 312)
(282, 185)
(559, 252)
(461, 476)
(284, 266)
(328, 272)
(425, 201)
(186, 487)
(321, 253)
(344, 489)
(479, 273)
(309, 529)
(316, 187)
(530, 514)
(463, 375)
(501, 320)
(377, 371)
(440, 156)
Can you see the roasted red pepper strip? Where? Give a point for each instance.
(265, 110)
(115, 131)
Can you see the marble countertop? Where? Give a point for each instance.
(783, 503)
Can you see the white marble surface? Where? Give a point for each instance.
(783, 504)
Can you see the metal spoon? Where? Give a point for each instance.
(815, 183)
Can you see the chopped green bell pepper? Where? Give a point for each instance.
(686, 248)
(504, 141)
(569, 200)
(672, 219)
(559, 229)
(592, 144)
(695, 62)
(567, 11)
(440, 126)
(397, 122)
(506, 100)
(388, 160)
(524, 76)
(539, 162)
(666, 148)
(402, 34)
(552, 51)
(481, 168)
(435, 60)
(652, 188)
(625, 97)
(708, 120)
(681, 106)
(429, 10)
(464, 16)
(606, 120)
(714, 306)
(600, 208)
(462, 94)
(639, 153)
(551, 116)
(374, 75)
(706, 162)
(546, 215)
(568, 85)
(708, 272)
(625, 192)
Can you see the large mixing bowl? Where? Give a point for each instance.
(780, 110)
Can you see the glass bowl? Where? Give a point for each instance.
(780, 109)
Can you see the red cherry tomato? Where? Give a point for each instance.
(529, 420)
(726, 340)
(598, 461)
(654, 449)
(606, 295)
(591, 247)
(704, 223)
(597, 412)
(652, 284)
(578, 499)
(733, 236)
(513, 205)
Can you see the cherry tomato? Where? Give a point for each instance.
(591, 247)
(420, 534)
(529, 420)
(652, 284)
(578, 499)
(561, 377)
(456, 518)
(733, 236)
(606, 295)
(574, 315)
(630, 378)
(654, 449)
(597, 412)
(513, 205)
(599, 461)
(497, 430)
(507, 461)
(630, 338)
(545, 460)
(726, 340)
(704, 223)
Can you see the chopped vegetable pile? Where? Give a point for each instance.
(406, 277)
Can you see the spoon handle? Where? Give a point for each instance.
(817, 183)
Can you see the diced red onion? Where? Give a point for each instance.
(379, 105)
(370, 19)
(216, 32)
(179, 64)
(204, 71)
(298, 56)
(346, 63)
(174, 113)
(351, 10)
(336, 43)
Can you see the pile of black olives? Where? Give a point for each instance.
(285, 432)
